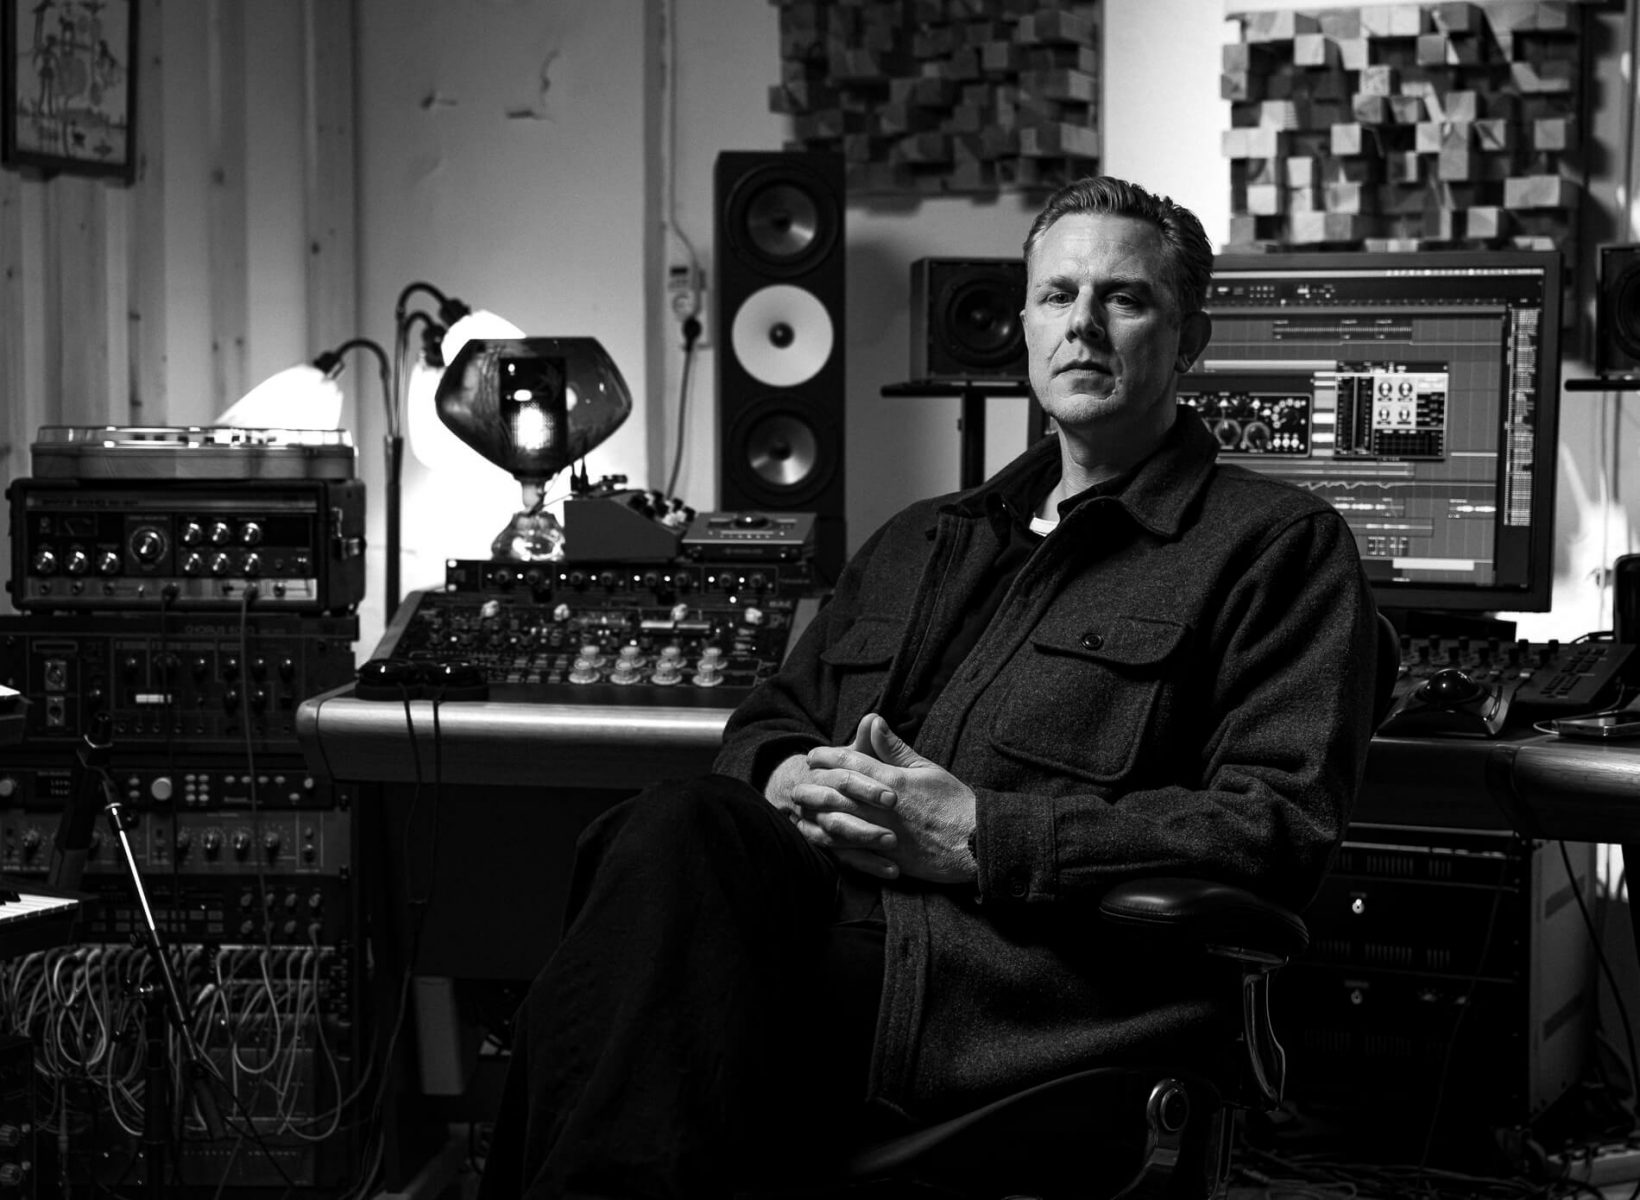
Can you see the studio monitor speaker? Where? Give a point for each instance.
(780, 382)
(965, 318)
(1617, 311)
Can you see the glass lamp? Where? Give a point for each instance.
(532, 406)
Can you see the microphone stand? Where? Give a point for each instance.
(161, 1004)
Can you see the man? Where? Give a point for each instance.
(1116, 657)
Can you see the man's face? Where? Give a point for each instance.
(1103, 329)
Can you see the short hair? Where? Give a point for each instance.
(1190, 254)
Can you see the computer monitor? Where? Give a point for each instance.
(1418, 393)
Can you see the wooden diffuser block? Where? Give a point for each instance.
(925, 97)
(1405, 126)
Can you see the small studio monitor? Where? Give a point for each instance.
(779, 262)
(965, 318)
(1617, 311)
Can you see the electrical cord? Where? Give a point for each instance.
(691, 335)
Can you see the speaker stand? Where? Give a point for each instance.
(973, 393)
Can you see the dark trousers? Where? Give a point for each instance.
(706, 1022)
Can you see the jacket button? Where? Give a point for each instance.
(1092, 641)
(1018, 888)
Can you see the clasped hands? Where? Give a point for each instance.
(879, 806)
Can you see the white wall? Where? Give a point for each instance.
(507, 156)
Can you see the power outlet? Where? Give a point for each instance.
(684, 291)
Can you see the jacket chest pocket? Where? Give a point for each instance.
(859, 662)
(1085, 693)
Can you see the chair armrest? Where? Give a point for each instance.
(1226, 920)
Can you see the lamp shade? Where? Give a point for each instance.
(300, 397)
(533, 405)
(477, 323)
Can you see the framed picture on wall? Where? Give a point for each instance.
(67, 86)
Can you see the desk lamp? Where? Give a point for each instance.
(305, 396)
(532, 406)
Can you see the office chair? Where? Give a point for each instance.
(1156, 1132)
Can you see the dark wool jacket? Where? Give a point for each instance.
(1179, 681)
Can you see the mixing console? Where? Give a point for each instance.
(1537, 679)
(674, 635)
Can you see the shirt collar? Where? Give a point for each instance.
(1156, 494)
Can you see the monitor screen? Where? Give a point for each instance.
(1416, 393)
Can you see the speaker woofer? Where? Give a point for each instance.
(782, 450)
(782, 335)
(782, 220)
(981, 324)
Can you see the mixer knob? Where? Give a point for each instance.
(708, 674)
(608, 580)
(666, 672)
(711, 655)
(593, 655)
(652, 580)
(148, 544)
(184, 841)
(490, 610)
(199, 666)
(625, 672)
(230, 666)
(230, 698)
(259, 667)
(193, 564)
(672, 653)
(583, 672)
(631, 654)
(259, 698)
(31, 841)
(250, 534)
(560, 613)
(79, 562)
(270, 844)
(578, 580)
(45, 561)
(684, 582)
(753, 616)
(241, 843)
(192, 533)
(8, 787)
(220, 534)
(287, 668)
(213, 842)
(728, 581)
(252, 566)
(108, 563)
(221, 564)
(758, 581)
(679, 612)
